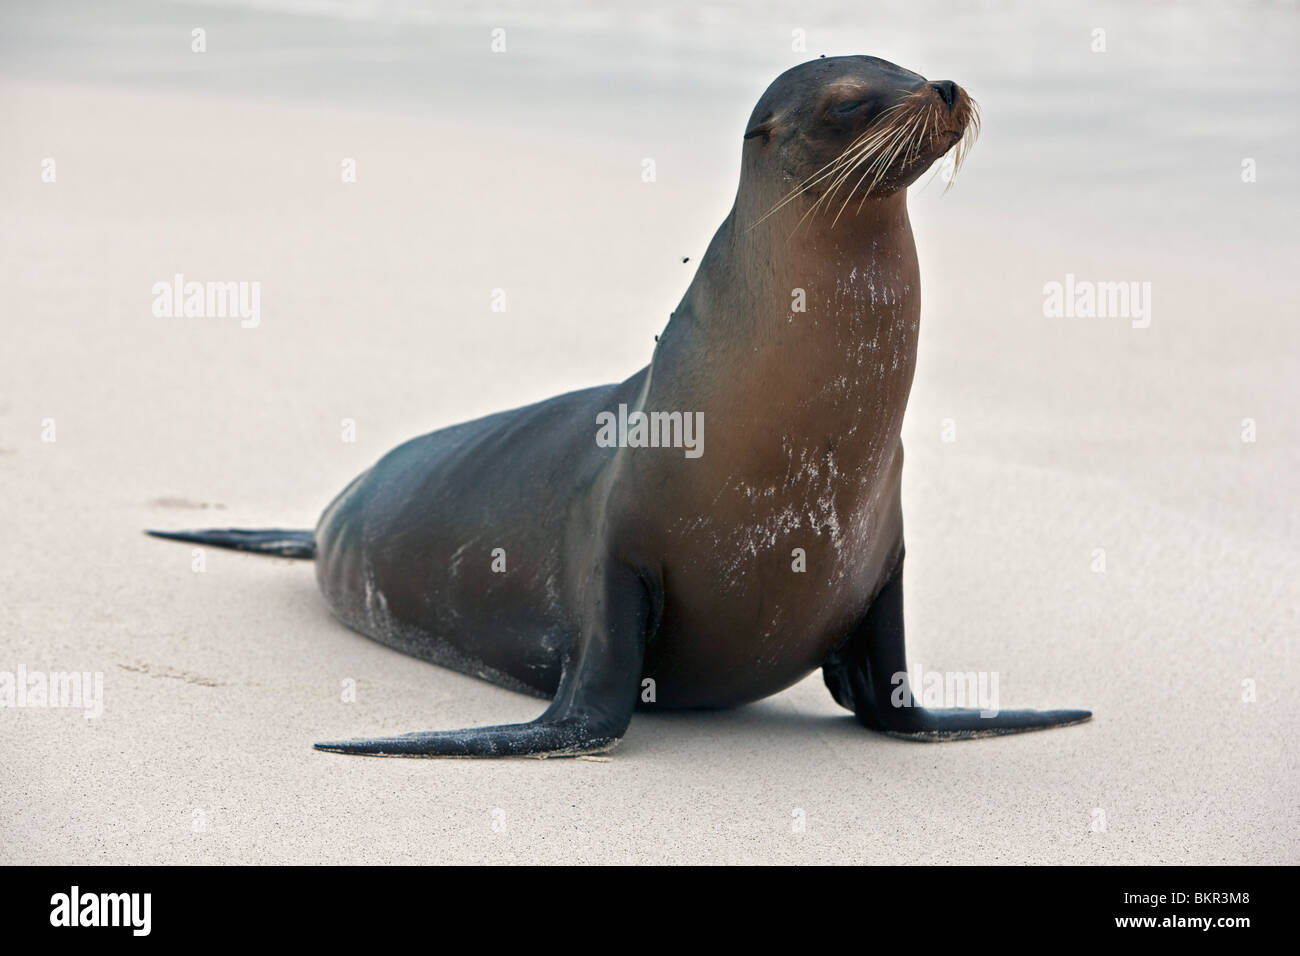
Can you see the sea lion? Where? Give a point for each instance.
(592, 550)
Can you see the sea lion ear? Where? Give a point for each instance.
(763, 129)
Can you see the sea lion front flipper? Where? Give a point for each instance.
(862, 675)
(593, 703)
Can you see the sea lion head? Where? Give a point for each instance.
(850, 128)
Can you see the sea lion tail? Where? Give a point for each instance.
(277, 541)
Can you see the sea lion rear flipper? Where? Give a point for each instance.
(862, 676)
(593, 704)
(276, 541)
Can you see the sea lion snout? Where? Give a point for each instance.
(955, 108)
(947, 91)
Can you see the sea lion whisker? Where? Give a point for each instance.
(862, 142)
(880, 149)
(825, 172)
(961, 149)
(872, 164)
(851, 156)
(879, 144)
(922, 134)
(848, 162)
(859, 144)
(881, 165)
(863, 159)
(889, 151)
(926, 131)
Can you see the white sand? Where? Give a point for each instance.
(1071, 436)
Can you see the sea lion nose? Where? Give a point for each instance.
(946, 89)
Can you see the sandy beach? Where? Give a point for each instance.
(1033, 441)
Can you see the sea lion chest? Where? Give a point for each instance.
(780, 534)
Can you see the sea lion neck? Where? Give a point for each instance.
(758, 272)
